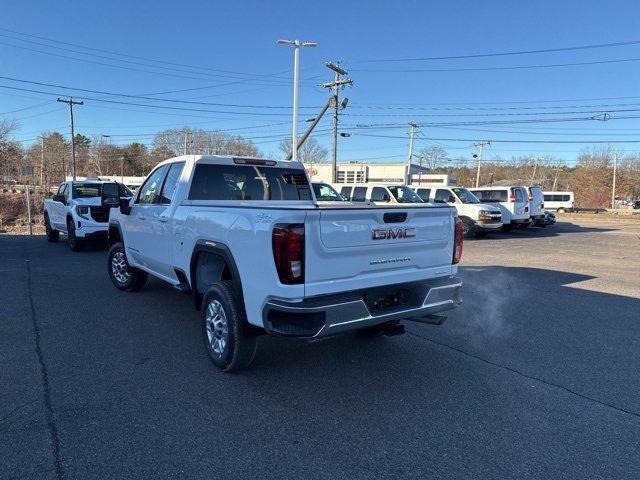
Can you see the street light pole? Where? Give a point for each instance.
(613, 189)
(296, 74)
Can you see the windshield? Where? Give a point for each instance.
(87, 190)
(465, 195)
(326, 193)
(405, 195)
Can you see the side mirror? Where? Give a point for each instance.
(110, 195)
(125, 205)
(452, 199)
(59, 198)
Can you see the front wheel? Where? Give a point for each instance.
(468, 228)
(52, 235)
(124, 276)
(223, 328)
(74, 242)
(507, 227)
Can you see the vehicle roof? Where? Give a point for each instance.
(228, 160)
(501, 187)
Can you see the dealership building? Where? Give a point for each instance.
(358, 172)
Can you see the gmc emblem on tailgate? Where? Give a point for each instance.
(392, 233)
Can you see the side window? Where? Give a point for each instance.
(547, 198)
(443, 196)
(566, 198)
(520, 197)
(424, 193)
(171, 182)
(379, 194)
(61, 189)
(150, 189)
(359, 194)
(346, 192)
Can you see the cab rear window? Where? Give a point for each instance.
(248, 183)
(86, 190)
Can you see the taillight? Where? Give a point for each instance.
(512, 198)
(530, 197)
(457, 242)
(288, 252)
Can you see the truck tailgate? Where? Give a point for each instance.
(349, 249)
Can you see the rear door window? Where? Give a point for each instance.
(248, 183)
(359, 194)
(520, 195)
(346, 192)
(379, 194)
(424, 193)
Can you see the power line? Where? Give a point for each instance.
(276, 75)
(503, 140)
(102, 100)
(487, 69)
(504, 54)
(142, 97)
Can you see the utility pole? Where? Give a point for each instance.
(535, 167)
(29, 209)
(412, 133)
(335, 87)
(613, 189)
(186, 141)
(41, 162)
(480, 145)
(71, 103)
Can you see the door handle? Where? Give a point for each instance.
(163, 219)
(141, 217)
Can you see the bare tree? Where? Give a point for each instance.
(202, 142)
(433, 156)
(310, 152)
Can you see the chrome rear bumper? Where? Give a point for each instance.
(333, 314)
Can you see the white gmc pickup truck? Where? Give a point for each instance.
(248, 240)
(76, 210)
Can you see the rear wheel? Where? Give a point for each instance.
(52, 235)
(224, 329)
(74, 242)
(124, 276)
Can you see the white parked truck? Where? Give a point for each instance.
(478, 219)
(76, 209)
(248, 240)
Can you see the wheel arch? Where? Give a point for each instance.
(211, 262)
(114, 234)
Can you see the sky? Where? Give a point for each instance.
(217, 66)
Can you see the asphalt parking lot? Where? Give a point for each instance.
(535, 376)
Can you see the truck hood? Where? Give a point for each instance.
(89, 202)
(489, 208)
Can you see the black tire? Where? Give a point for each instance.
(468, 228)
(123, 276)
(227, 341)
(481, 233)
(507, 227)
(523, 226)
(52, 235)
(75, 244)
(561, 210)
